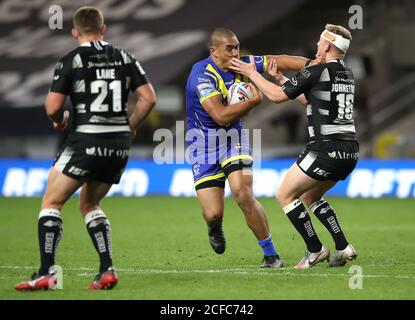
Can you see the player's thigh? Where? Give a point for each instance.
(294, 184)
(212, 202)
(59, 189)
(92, 193)
(240, 181)
(239, 175)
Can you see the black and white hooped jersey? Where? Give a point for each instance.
(329, 89)
(98, 78)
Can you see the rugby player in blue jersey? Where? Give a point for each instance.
(219, 147)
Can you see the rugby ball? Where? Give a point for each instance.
(239, 92)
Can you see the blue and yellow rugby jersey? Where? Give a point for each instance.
(207, 80)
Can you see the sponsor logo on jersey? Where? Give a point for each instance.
(205, 89)
(107, 152)
(103, 64)
(343, 155)
(59, 66)
(293, 80)
(204, 85)
(201, 79)
(348, 80)
(258, 59)
(305, 73)
(90, 151)
(56, 77)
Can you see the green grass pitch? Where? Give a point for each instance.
(161, 251)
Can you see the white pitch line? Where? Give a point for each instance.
(84, 271)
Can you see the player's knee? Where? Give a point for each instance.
(244, 197)
(86, 207)
(213, 214)
(281, 196)
(307, 199)
(50, 202)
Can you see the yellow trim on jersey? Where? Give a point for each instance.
(265, 64)
(238, 157)
(210, 95)
(214, 177)
(241, 78)
(220, 83)
(213, 76)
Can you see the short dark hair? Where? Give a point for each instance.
(88, 20)
(218, 35)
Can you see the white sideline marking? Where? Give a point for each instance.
(84, 272)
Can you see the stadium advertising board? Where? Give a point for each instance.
(371, 179)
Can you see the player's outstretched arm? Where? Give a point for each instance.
(288, 63)
(146, 101)
(274, 71)
(294, 63)
(269, 89)
(54, 109)
(224, 115)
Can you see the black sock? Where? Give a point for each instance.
(99, 230)
(214, 225)
(300, 218)
(325, 213)
(50, 229)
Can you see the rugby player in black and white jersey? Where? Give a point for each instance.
(327, 89)
(97, 77)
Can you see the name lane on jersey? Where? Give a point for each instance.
(105, 73)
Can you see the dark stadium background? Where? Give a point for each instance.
(169, 36)
(161, 248)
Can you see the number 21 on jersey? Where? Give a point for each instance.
(101, 87)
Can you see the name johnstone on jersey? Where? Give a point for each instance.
(341, 87)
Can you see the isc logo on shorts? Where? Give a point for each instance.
(321, 172)
(78, 171)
